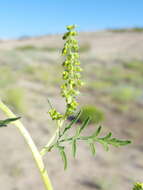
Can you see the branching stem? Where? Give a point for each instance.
(53, 138)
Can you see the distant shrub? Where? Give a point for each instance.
(121, 30)
(29, 69)
(113, 75)
(7, 77)
(15, 98)
(137, 29)
(50, 49)
(101, 85)
(44, 74)
(35, 48)
(26, 48)
(135, 65)
(125, 94)
(118, 30)
(95, 114)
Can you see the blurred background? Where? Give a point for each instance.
(111, 54)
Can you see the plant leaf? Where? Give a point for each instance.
(107, 136)
(71, 123)
(117, 142)
(92, 148)
(63, 155)
(105, 145)
(74, 147)
(4, 123)
(96, 133)
(85, 124)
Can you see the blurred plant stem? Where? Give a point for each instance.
(28, 139)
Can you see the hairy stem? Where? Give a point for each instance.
(28, 139)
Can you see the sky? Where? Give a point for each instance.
(40, 17)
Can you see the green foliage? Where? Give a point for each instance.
(95, 114)
(138, 186)
(101, 85)
(35, 48)
(30, 69)
(64, 138)
(6, 77)
(26, 48)
(122, 30)
(135, 65)
(137, 29)
(4, 123)
(49, 49)
(125, 94)
(38, 73)
(42, 75)
(15, 97)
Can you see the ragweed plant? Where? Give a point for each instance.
(69, 90)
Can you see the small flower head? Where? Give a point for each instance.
(55, 115)
(71, 74)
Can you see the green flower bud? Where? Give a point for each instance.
(73, 33)
(76, 55)
(69, 99)
(66, 35)
(66, 63)
(55, 115)
(75, 47)
(64, 51)
(70, 27)
(65, 75)
(78, 69)
(80, 83)
(77, 63)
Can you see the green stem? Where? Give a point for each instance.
(28, 139)
(54, 136)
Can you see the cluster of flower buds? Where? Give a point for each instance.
(71, 74)
(54, 114)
